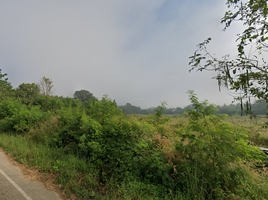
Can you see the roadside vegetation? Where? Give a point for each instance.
(96, 152)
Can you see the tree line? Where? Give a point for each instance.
(41, 94)
(259, 108)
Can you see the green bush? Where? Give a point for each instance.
(212, 155)
(114, 144)
(48, 103)
(110, 146)
(103, 110)
(15, 116)
(202, 157)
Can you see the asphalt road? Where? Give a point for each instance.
(13, 186)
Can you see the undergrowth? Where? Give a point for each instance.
(100, 153)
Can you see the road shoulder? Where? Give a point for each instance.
(32, 183)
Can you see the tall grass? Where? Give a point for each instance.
(255, 128)
(74, 174)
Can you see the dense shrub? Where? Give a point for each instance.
(211, 154)
(103, 110)
(48, 103)
(15, 116)
(198, 157)
(110, 142)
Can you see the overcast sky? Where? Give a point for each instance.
(134, 51)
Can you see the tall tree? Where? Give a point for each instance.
(83, 95)
(245, 76)
(45, 86)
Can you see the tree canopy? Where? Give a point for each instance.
(246, 75)
(83, 95)
(27, 92)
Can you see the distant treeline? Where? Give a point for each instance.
(40, 94)
(259, 108)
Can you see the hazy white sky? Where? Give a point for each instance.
(134, 51)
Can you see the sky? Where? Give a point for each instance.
(134, 51)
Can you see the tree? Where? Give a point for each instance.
(46, 86)
(83, 95)
(5, 87)
(246, 76)
(27, 92)
(130, 109)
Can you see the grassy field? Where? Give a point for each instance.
(257, 128)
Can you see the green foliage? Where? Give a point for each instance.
(27, 92)
(201, 162)
(247, 74)
(143, 157)
(69, 131)
(54, 103)
(103, 110)
(84, 95)
(74, 174)
(102, 139)
(48, 103)
(15, 116)
(258, 108)
(159, 111)
(71, 103)
(115, 145)
(158, 116)
(208, 149)
(6, 90)
(130, 109)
